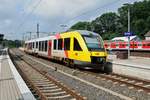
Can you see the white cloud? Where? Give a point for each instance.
(50, 14)
(66, 8)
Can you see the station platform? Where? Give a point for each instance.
(134, 66)
(12, 86)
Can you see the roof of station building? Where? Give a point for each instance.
(124, 38)
(147, 34)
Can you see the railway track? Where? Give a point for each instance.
(138, 84)
(43, 85)
(141, 85)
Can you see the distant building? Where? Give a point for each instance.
(147, 36)
(125, 39)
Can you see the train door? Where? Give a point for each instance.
(49, 48)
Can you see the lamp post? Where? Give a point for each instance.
(128, 5)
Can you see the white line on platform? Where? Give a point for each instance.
(132, 65)
(84, 81)
(25, 91)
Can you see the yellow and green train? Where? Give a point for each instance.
(80, 47)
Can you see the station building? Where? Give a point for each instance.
(147, 36)
(125, 39)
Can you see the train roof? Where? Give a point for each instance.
(82, 32)
(85, 32)
(39, 39)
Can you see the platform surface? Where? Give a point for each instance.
(142, 62)
(9, 84)
(134, 66)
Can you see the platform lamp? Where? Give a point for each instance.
(128, 5)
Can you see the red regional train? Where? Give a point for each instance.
(134, 45)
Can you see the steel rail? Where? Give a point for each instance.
(39, 92)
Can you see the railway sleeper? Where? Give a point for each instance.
(54, 90)
(64, 97)
(42, 83)
(55, 93)
(48, 87)
(37, 81)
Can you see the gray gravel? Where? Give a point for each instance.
(90, 92)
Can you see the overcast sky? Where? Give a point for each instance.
(21, 16)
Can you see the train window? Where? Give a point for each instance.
(67, 44)
(32, 44)
(55, 44)
(139, 44)
(36, 44)
(60, 44)
(45, 45)
(147, 44)
(144, 44)
(40, 46)
(76, 46)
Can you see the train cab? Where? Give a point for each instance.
(87, 50)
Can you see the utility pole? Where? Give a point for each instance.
(37, 30)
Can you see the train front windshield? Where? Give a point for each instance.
(94, 42)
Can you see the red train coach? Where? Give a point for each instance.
(121, 45)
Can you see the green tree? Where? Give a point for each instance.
(107, 24)
(81, 26)
(148, 22)
(111, 24)
(139, 12)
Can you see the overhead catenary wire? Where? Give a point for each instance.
(93, 10)
(25, 19)
(68, 21)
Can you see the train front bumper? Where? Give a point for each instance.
(89, 65)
